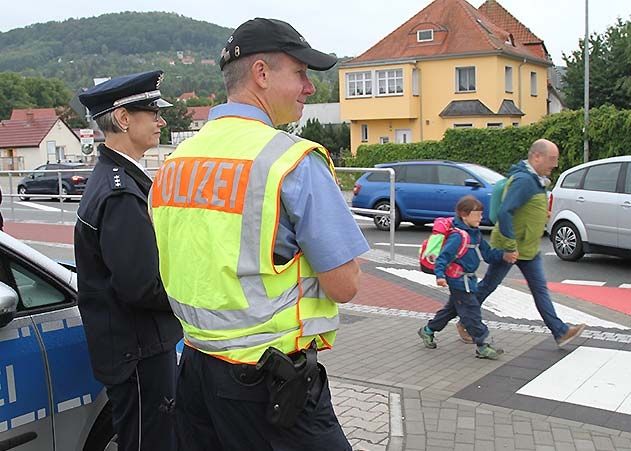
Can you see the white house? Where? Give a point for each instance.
(28, 143)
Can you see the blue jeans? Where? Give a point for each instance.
(467, 307)
(534, 275)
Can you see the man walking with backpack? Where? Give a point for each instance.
(521, 220)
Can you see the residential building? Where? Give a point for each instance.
(199, 116)
(325, 113)
(34, 113)
(449, 66)
(187, 96)
(25, 144)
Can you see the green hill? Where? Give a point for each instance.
(78, 50)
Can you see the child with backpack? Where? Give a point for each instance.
(455, 267)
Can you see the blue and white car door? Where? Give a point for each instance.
(25, 406)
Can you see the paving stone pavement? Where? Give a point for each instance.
(392, 394)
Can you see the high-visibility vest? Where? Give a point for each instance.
(216, 205)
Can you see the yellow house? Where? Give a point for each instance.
(449, 66)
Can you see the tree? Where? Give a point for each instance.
(610, 69)
(177, 118)
(17, 91)
(334, 137)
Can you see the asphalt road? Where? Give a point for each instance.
(594, 268)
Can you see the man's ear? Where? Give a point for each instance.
(260, 73)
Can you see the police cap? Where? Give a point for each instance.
(272, 35)
(136, 90)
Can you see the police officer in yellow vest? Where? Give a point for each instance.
(257, 247)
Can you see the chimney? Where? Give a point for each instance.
(29, 116)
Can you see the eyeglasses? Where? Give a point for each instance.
(157, 113)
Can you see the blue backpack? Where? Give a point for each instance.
(497, 197)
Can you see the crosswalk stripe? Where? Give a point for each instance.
(38, 206)
(591, 283)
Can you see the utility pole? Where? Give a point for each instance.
(586, 89)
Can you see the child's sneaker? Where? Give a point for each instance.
(427, 335)
(486, 351)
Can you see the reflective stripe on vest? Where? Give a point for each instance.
(284, 306)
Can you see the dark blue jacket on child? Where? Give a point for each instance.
(470, 261)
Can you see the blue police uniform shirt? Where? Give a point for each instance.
(320, 225)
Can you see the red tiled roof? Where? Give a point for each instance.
(199, 113)
(458, 27)
(16, 133)
(521, 33)
(21, 114)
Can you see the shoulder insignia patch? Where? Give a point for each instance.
(117, 181)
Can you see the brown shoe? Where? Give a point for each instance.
(464, 335)
(572, 333)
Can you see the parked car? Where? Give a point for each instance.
(48, 182)
(49, 399)
(590, 209)
(424, 190)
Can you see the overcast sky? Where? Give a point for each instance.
(345, 27)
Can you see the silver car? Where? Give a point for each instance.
(591, 209)
(49, 399)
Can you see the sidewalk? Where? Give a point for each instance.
(392, 394)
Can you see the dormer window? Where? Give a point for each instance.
(425, 35)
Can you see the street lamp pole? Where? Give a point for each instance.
(586, 89)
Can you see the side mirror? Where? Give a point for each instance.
(473, 183)
(8, 304)
(31, 176)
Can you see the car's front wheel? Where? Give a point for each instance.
(383, 221)
(567, 242)
(22, 192)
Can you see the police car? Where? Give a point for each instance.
(49, 399)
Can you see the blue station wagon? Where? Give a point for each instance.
(424, 190)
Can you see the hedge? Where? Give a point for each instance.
(609, 135)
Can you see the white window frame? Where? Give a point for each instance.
(384, 139)
(508, 79)
(354, 79)
(494, 125)
(533, 84)
(463, 125)
(390, 79)
(458, 72)
(418, 35)
(363, 130)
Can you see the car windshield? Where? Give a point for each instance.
(489, 175)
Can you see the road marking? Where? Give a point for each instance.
(38, 206)
(508, 302)
(362, 218)
(625, 285)
(592, 377)
(548, 254)
(591, 283)
(46, 243)
(398, 245)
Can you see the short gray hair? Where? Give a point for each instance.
(539, 147)
(108, 124)
(236, 72)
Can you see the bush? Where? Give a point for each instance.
(609, 135)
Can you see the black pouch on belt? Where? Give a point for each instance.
(289, 382)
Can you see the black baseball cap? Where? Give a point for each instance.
(272, 35)
(131, 91)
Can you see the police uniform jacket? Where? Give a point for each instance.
(124, 307)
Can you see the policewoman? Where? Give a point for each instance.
(130, 328)
(257, 247)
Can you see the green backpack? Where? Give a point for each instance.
(497, 196)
